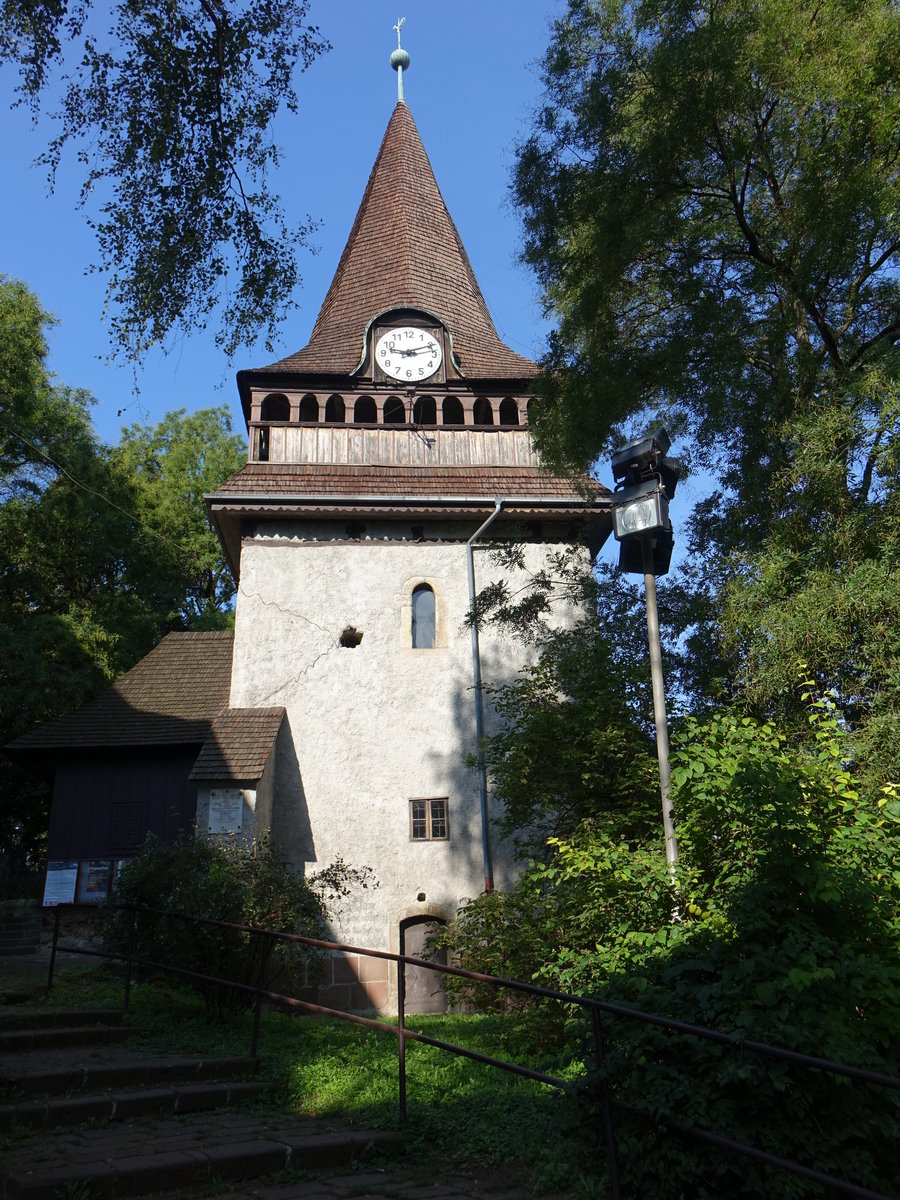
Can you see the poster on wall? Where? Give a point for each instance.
(59, 887)
(226, 810)
(93, 882)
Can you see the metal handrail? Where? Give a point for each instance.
(592, 1006)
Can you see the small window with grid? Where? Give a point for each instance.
(428, 820)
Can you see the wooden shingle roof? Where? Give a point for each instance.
(374, 481)
(239, 745)
(403, 251)
(176, 696)
(169, 698)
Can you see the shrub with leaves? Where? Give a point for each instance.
(782, 927)
(248, 885)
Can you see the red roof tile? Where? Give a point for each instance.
(404, 251)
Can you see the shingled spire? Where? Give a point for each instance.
(404, 251)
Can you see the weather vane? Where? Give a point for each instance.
(399, 60)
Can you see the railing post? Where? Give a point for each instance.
(401, 1025)
(612, 1156)
(52, 966)
(268, 942)
(126, 1001)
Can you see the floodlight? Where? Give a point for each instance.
(631, 553)
(644, 459)
(639, 509)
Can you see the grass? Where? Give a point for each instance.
(459, 1112)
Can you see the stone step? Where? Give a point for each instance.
(171, 1155)
(45, 1018)
(54, 1037)
(47, 1073)
(14, 996)
(176, 1100)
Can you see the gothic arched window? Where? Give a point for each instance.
(422, 617)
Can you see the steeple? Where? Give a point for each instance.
(404, 252)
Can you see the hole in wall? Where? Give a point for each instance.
(350, 637)
(421, 897)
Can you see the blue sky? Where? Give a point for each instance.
(471, 86)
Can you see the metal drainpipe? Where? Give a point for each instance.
(479, 705)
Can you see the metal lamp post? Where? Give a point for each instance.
(645, 483)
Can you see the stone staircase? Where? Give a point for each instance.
(83, 1113)
(20, 926)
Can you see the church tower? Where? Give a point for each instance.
(376, 453)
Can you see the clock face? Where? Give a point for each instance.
(408, 354)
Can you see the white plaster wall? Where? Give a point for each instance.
(370, 727)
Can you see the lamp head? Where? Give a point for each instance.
(644, 458)
(631, 555)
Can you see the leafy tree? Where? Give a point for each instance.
(171, 467)
(787, 914)
(102, 551)
(710, 198)
(169, 106)
(568, 750)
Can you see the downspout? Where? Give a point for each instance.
(479, 704)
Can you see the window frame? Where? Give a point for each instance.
(430, 818)
(421, 590)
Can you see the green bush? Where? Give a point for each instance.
(246, 885)
(782, 926)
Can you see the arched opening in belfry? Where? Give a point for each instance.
(394, 411)
(364, 411)
(275, 407)
(509, 411)
(425, 411)
(309, 410)
(482, 412)
(452, 411)
(334, 408)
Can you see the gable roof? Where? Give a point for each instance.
(169, 698)
(176, 696)
(403, 251)
(239, 744)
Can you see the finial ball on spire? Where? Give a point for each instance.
(399, 58)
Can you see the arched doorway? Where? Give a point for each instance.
(424, 989)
